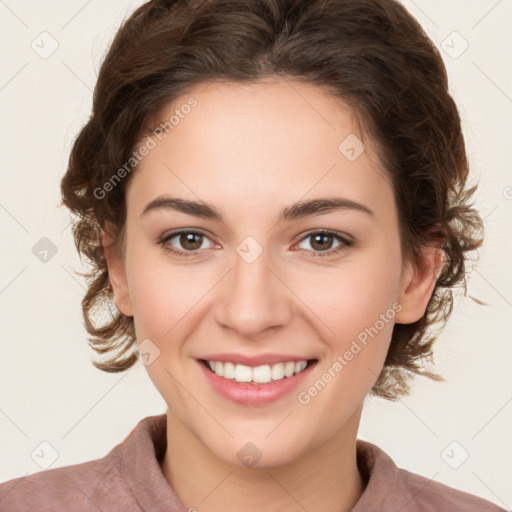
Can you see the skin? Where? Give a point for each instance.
(252, 150)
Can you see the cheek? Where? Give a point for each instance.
(352, 298)
(362, 320)
(163, 295)
(165, 300)
(355, 308)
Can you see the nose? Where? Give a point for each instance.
(253, 298)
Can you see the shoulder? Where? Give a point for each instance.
(88, 486)
(431, 496)
(105, 484)
(390, 488)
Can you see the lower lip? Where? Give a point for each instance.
(255, 394)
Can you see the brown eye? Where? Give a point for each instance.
(321, 243)
(190, 241)
(184, 243)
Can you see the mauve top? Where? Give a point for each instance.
(129, 479)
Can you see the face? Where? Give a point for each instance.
(257, 283)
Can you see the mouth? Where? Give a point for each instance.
(257, 375)
(255, 386)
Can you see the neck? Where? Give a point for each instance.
(323, 479)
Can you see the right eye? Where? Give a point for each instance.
(190, 240)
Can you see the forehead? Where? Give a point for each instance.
(260, 144)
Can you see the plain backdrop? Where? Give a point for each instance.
(49, 390)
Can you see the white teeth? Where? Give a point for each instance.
(229, 371)
(219, 369)
(277, 372)
(289, 369)
(259, 374)
(300, 366)
(262, 374)
(242, 373)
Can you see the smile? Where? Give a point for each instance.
(257, 375)
(255, 380)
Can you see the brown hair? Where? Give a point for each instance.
(371, 53)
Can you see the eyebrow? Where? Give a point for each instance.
(298, 210)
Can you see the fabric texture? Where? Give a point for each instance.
(129, 479)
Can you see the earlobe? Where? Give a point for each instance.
(117, 275)
(417, 286)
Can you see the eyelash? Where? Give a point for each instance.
(346, 243)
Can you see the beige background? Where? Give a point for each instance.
(49, 389)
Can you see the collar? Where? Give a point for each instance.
(144, 449)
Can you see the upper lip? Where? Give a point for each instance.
(254, 360)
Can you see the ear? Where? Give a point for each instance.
(417, 284)
(117, 275)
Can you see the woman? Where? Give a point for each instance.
(273, 195)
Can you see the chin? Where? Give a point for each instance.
(257, 451)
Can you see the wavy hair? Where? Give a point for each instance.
(372, 54)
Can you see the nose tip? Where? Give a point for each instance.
(252, 299)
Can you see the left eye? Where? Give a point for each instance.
(321, 241)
